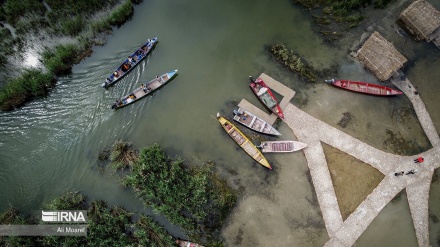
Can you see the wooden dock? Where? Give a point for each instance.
(276, 86)
(314, 132)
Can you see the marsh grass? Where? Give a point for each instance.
(60, 60)
(338, 16)
(121, 14)
(193, 197)
(75, 18)
(122, 155)
(294, 62)
(107, 226)
(32, 83)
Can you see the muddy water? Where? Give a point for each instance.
(51, 145)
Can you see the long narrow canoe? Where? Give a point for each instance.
(281, 146)
(129, 63)
(263, 92)
(243, 141)
(364, 87)
(144, 90)
(254, 123)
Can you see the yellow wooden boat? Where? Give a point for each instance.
(243, 141)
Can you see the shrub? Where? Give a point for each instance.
(193, 198)
(289, 59)
(14, 9)
(32, 83)
(61, 60)
(121, 13)
(73, 26)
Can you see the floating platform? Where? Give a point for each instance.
(276, 86)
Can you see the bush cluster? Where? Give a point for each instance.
(294, 62)
(71, 17)
(194, 198)
(106, 226)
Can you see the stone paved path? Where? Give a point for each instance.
(313, 132)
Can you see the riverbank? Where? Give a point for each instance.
(336, 18)
(82, 24)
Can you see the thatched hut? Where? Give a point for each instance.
(380, 57)
(422, 20)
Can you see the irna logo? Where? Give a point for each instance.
(73, 216)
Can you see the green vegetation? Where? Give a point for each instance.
(60, 60)
(107, 226)
(32, 83)
(294, 62)
(121, 13)
(122, 155)
(335, 17)
(193, 197)
(75, 18)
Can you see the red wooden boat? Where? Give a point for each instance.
(364, 87)
(263, 92)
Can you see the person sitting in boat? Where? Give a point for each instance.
(117, 103)
(125, 67)
(144, 50)
(130, 60)
(144, 88)
(344, 84)
(116, 74)
(131, 98)
(227, 126)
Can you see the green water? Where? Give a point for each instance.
(51, 144)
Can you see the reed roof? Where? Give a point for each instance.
(421, 19)
(380, 57)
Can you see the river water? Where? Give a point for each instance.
(51, 144)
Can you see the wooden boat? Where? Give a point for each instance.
(254, 123)
(263, 92)
(184, 243)
(364, 87)
(243, 141)
(281, 146)
(144, 90)
(129, 63)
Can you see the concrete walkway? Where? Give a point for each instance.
(314, 132)
(422, 114)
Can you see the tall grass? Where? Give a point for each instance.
(294, 62)
(341, 11)
(192, 197)
(12, 10)
(32, 83)
(69, 17)
(107, 226)
(60, 60)
(121, 14)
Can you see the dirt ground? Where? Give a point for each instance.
(353, 180)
